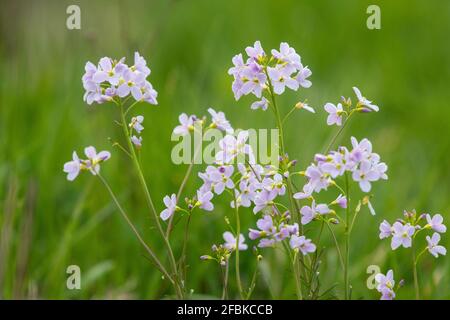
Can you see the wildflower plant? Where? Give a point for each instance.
(287, 202)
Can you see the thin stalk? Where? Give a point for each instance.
(238, 233)
(294, 263)
(225, 282)
(288, 114)
(182, 262)
(341, 259)
(253, 282)
(416, 278)
(347, 239)
(136, 233)
(294, 205)
(180, 190)
(333, 140)
(147, 194)
(131, 107)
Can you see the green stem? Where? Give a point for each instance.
(294, 262)
(416, 278)
(238, 233)
(182, 261)
(133, 228)
(333, 140)
(225, 282)
(288, 114)
(294, 205)
(341, 259)
(182, 185)
(148, 197)
(347, 239)
(253, 282)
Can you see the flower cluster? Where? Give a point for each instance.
(261, 73)
(364, 165)
(113, 78)
(403, 231)
(91, 164)
(246, 182)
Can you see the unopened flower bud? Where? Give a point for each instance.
(333, 221)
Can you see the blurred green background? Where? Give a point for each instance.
(48, 223)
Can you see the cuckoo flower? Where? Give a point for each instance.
(92, 163)
(435, 223)
(230, 241)
(263, 199)
(301, 243)
(140, 65)
(281, 78)
(262, 104)
(402, 235)
(72, 168)
(204, 200)
(385, 281)
(221, 178)
(305, 106)
(171, 205)
(186, 125)
(309, 213)
(287, 55)
(302, 77)
(365, 175)
(256, 52)
(433, 245)
(334, 113)
(137, 141)
(108, 72)
(94, 159)
(363, 102)
(385, 230)
(219, 121)
(341, 201)
(232, 146)
(274, 184)
(385, 285)
(265, 226)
